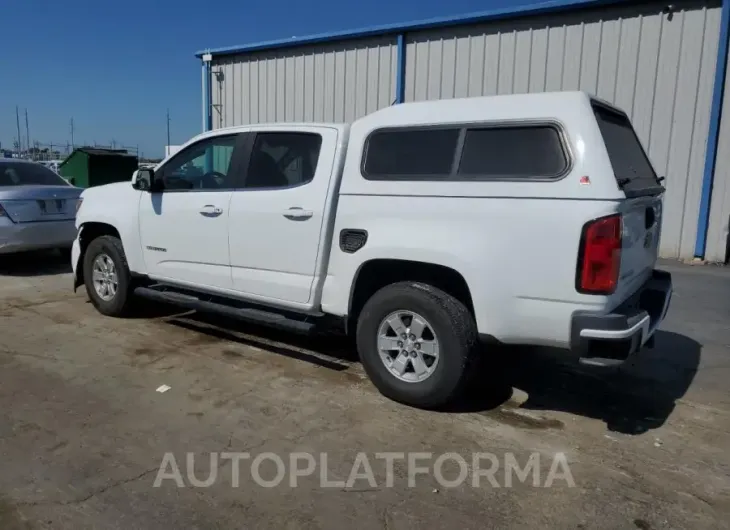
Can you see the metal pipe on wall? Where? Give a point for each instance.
(203, 95)
(718, 91)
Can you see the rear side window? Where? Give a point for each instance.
(283, 160)
(630, 164)
(513, 152)
(462, 153)
(410, 153)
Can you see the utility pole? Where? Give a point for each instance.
(27, 130)
(72, 134)
(20, 138)
(168, 128)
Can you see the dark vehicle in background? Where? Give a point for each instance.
(37, 208)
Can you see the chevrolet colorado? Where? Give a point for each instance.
(423, 229)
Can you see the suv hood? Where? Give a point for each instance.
(108, 190)
(113, 201)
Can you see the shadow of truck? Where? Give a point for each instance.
(637, 397)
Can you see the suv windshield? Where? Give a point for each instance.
(26, 173)
(631, 166)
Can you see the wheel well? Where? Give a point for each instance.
(376, 274)
(89, 232)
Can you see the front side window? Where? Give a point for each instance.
(283, 160)
(202, 166)
(27, 174)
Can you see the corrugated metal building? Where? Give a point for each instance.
(663, 63)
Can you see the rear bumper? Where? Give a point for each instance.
(19, 237)
(610, 339)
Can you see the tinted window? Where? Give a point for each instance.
(282, 160)
(513, 152)
(628, 159)
(25, 173)
(202, 166)
(410, 153)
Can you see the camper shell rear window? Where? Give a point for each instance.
(631, 166)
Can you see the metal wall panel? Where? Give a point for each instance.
(336, 82)
(658, 67)
(718, 234)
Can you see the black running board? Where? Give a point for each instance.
(258, 316)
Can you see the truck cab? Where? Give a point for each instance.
(239, 211)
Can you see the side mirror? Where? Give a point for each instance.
(142, 179)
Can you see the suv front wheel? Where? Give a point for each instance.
(107, 277)
(416, 343)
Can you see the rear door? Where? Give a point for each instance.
(277, 216)
(642, 209)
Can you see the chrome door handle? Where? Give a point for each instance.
(296, 213)
(210, 210)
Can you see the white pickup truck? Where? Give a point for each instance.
(423, 229)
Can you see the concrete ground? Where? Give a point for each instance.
(83, 431)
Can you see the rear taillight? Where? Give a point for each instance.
(599, 257)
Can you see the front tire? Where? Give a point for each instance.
(106, 276)
(416, 343)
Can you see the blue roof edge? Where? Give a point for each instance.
(386, 29)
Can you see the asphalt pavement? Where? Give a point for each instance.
(144, 423)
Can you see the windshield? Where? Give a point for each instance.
(631, 166)
(25, 174)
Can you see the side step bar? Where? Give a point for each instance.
(257, 316)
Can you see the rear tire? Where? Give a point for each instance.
(105, 264)
(407, 373)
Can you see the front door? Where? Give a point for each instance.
(184, 222)
(277, 217)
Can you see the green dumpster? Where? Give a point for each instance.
(86, 167)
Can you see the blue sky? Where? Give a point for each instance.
(116, 67)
